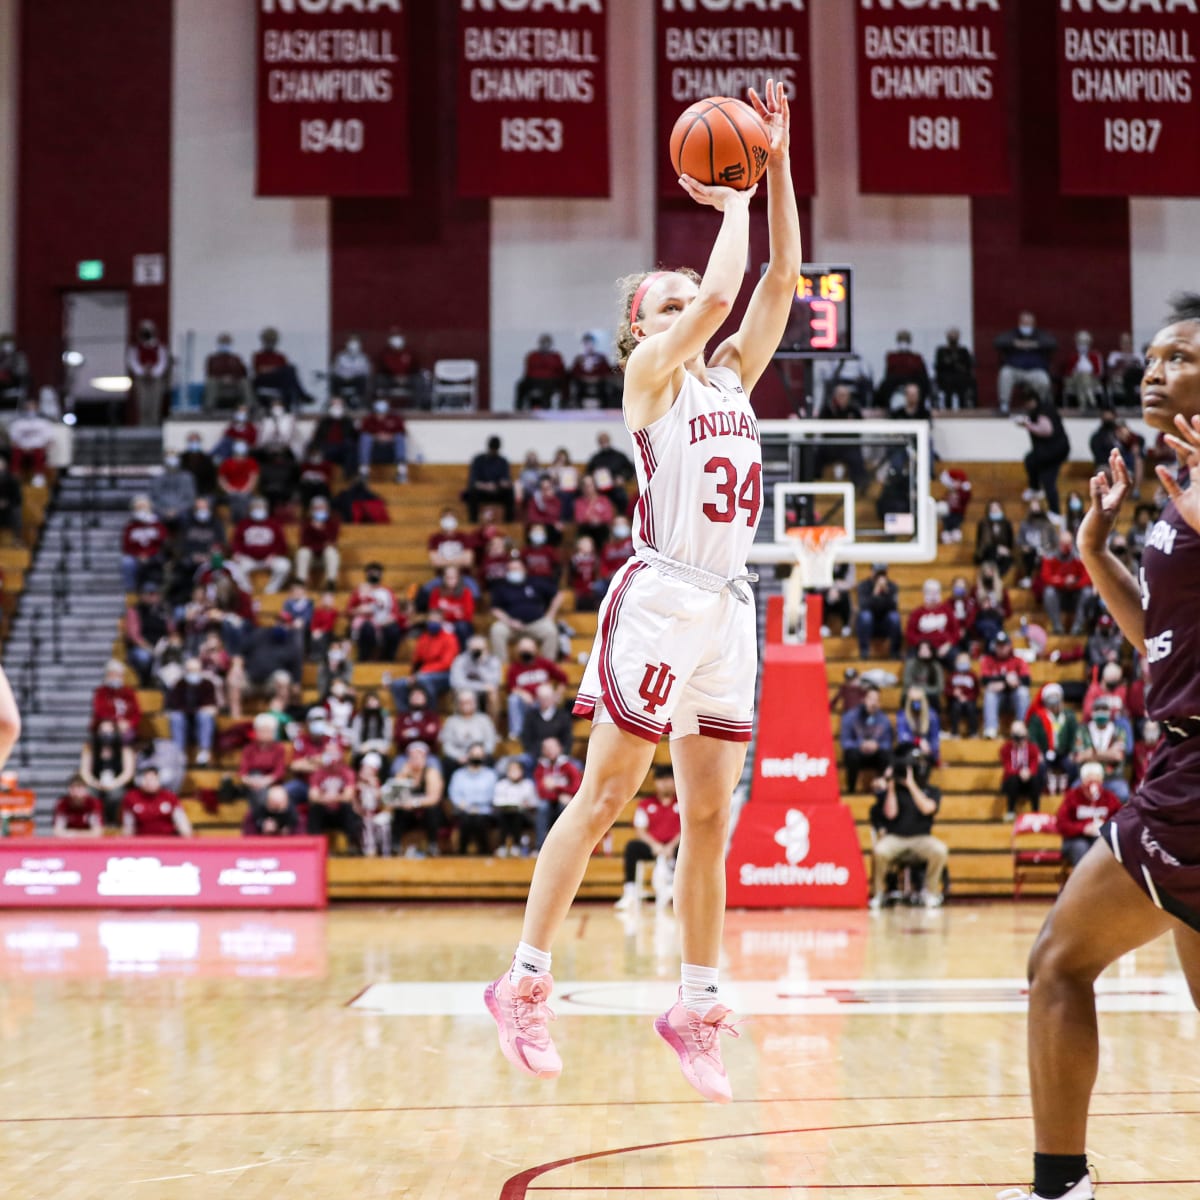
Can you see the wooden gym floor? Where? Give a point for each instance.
(346, 1054)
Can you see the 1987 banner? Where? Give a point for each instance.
(933, 98)
(714, 48)
(532, 98)
(332, 98)
(1128, 108)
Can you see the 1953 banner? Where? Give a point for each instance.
(933, 113)
(332, 98)
(715, 48)
(532, 98)
(1128, 109)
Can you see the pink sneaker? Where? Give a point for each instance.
(694, 1038)
(521, 1013)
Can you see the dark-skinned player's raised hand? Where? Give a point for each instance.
(1186, 443)
(1107, 498)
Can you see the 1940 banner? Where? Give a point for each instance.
(332, 98)
(1128, 108)
(714, 48)
(532, 98)
(933, 112)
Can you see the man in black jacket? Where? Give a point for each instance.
(902, 819)
(547, 719)
(489, 480)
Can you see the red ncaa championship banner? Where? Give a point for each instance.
(1128, 110)
(332, 98)
(533, 98)
(933, 113)
(722, 48)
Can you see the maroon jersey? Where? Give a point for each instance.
(935, 624)
(556, 781)
(542, 562)
(82, 816)
(153, 812)
(659, 820)
(1170, 585)
(144, 539)
(454, 606)
(526, 676)
(613, 556)
(260, 540)
(417, 725)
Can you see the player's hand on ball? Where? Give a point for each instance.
(1187, 445)
(776, 116)
(1107, 498)
(714, 196)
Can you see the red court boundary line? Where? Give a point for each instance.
(697, 1103)
(517, 1187)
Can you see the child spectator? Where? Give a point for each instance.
(318, 539)
(339, 703)
(916, 722)
(259, 544)
(143, 545)
(593, 513)
(78, 813)
(454, 603)
(114, 700)
(1005, 680)
(957, 500)
(150, 810)
(1022, 777)
(557, 779)
(376, 816)
(527, 478)
(374, 617)
(934, 623)
(515, 801)
(1083, 812)
(962, 698)
(472, 791)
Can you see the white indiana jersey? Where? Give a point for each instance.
(699, 473)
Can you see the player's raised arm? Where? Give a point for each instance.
(10, 719)
(749, 351)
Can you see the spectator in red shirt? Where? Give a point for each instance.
(584, 576)
(453, 600)
(1005, 679)
(1021, 762)
(962, 698)
(259, 544)
(382, 439)
(225, 379)
(934, 622)
(656, 820)
(594, 513)
(419, 722)
(557, 779)
(237, 478)
(433, 654)
(1083, 811)
(541, 559)
(374, 617)
(149, 810)
(396, 368)
(591, 376)
(333, 803)
(544, 507)
(114, 700)
(318, 539)
(527, 670)
(314, 746)
(1063, 585)
(494, 562)
(264, 760)
(274, 374)
(323, 625)
(240, 429)
(78, 813)
(451, 545)
(148, 362)
(616, 551)
(545, 376)
(957, 500)
(143, 545)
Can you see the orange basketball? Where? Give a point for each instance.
(720, 141)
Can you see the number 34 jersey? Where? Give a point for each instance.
(699, 473)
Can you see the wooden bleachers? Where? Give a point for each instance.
(971, 820)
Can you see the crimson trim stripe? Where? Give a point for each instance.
(621, 714)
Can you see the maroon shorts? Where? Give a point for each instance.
(1156, 836)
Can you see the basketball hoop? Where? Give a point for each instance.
(815, 547)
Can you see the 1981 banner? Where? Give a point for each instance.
(332, 98)
(532, 98)
(714, 48)
(933, 97)
(1127, 97)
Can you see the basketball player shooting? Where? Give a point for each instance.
(677, 647)
(1142, 876)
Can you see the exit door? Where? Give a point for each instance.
(96, 329)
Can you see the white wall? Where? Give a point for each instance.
(911, 254)
(237, 262)
(1165, 258)
(554, 262)
(8, 162)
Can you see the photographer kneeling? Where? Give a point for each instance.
(903, 815)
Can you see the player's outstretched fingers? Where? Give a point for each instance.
(1169, 483)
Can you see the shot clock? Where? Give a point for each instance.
(820, 324)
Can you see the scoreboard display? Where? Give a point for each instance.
(820, 325)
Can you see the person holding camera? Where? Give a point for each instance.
(904, 811)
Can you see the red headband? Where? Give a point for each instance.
(640, 294)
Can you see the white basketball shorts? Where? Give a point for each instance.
(671, 658)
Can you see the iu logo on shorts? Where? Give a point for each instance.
(656, 687)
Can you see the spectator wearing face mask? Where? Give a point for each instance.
(114, 700)
(992, 605)
(591, 376)
(192, 712)
(1005, 680)
(30, 436)
(453, 601)
(173, 493)
(278, 478)
(201, 535)
(1025, 355)
(489, 481)
(479, 671)
(396, 374)
(557, 779)
(1082, 373)
(1084, 810)
(147, 622)
(274, 375)
(240, 429)
(335, 438)
(316, 477)
(962, 698)
(339, 701)
(866, 738)
(611, 469)
(584, 578)
(382, 438)
(546, 717)
(278, 432)
(472, 792)
(350, 375)
(994, 538)
(237, 479)
(933, 621)
(263, 763)
(370, 729)
(957, 500)
(333, 803)
(524, 606)
(199, 464)
(314, 747)
(1021, 763)
(147, 362)
(151, 810)
(545, 376)
(226, 383)
(962, 600)
(1036, 538)
(516, 802)
(466, 729)
(78, 813)
(917, 722)
(923, 670)
(1054, 729)
(318, 540)
(541, 558)
(1063, 585)
(616, 551)
(143, 545)
(954, 372)
(433, 653)
(1108, 683)
(259, 544)
(544, 507)
(450, 546)
(526, 673)
(1105, 644)
(593, 513)
(902, 366)
(878, 612)
(418, 722)
(374, 617)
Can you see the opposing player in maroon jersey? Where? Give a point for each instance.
(1142, 877)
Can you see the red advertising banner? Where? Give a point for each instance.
(332, 98)
(933, 114)
(714, 48)
(533, 99)
(162, 873)
(1128, 98)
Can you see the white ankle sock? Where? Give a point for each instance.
(699, 988)
(529, 961)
